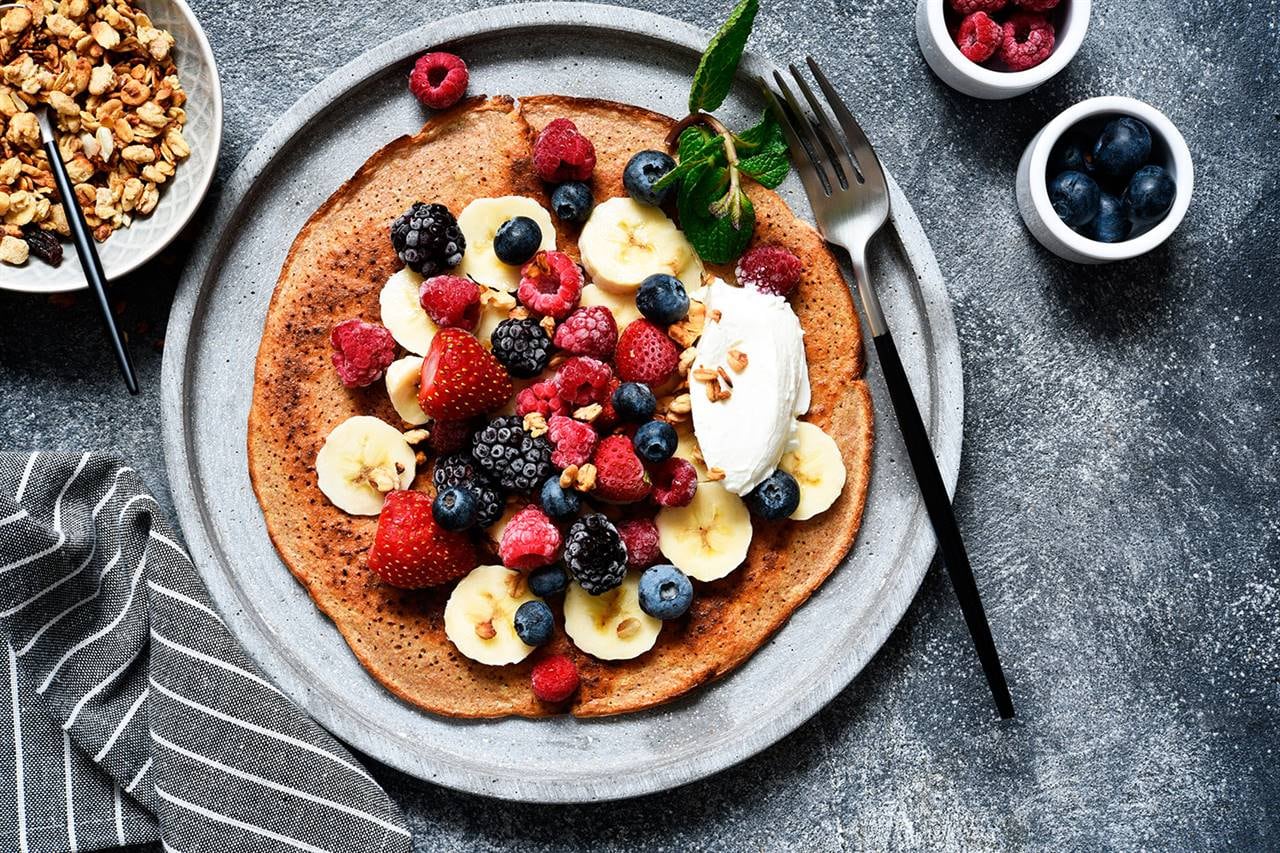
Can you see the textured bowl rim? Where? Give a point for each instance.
(193, 199)
(1161, 126)
(1078, 13)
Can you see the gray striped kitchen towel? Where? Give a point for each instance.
(131, 714)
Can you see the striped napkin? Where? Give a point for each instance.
(129, 712)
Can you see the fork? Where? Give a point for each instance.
(850, 198)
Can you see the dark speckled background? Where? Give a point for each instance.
(1119, 489)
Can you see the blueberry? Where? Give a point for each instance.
(1110, 225)
(633, 401)
(1149, 195)
(777, 497)
(546, 581)
(665, 592)
(559, 503)
(534, 623)
(655, 441)
(1070, 155)
(643, 171)
(572, 202)
(1074, 196)
(1122, 148)
(455, 508)
(662, 299)
(517, 240)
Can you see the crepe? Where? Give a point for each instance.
(335, 269)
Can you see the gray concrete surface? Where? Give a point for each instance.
(1119, 489)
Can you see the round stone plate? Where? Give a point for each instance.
(214, 329)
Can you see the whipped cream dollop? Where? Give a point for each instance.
(754, 345)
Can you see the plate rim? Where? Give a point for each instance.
(945, 417)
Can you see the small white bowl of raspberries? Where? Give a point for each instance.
(995, 49)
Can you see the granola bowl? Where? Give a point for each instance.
(179, 195)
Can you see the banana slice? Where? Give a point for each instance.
(610, 626)
(403, 376)
(621, 305)
(709, 538)
(402, 313)
(687, 448)
(361, 460)
(624, 242)
(480, 220)
(479, 618)
(814, 460)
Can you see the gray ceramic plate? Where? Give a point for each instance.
(568, 48)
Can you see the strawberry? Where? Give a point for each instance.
(645, 354)
(620, 475)
(461, 379)
(411, 551)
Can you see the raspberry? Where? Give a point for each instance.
(589, 331)
(968, 7)
(769, 269)
(543, 398)
(674, 482)
(451, 300)
(640, 536)
(620, 475)
(645, 354)
(550, 284)
(1028, 41)
(361, 352)
(1037, 5)
(438, 80)
(529, 540)
(561, 154)
(554, 679)
(593, 551)
(574, 441)
(978, 37)
(583, 380)
(608, 414)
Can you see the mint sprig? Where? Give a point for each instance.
(719, 63)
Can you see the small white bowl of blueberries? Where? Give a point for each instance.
(1107, 180)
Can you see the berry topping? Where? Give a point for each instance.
(620, 476)
(438, 80)
(979, 37)
(1074, 197)
(655, 441)
(645, 354)
(965, 7)
(460, 378)
(574, 441)
(455, 508)
(555, 679)
(583, 380)
(607, 417)
(1027, 41)
(645, 169)
(543, 398)
(572, 202)
(448, 436)
(1111, 225)
(558, 502)
(547, 581)
(522, 346)
(1037, 5)
(511, 457)
(665, 592)
(640, 536)
(427, 238)
(1149, 195)
(457, 468)
(769, 269)
(560, 153)
(662, 299)
(517, 240)
(1123, 147)
(361, 352)
(451, 301)
(777, 497)
(534, 623)
(550, 284)
(674, 482)
(594, 552)
(411, 551)
(529, 540)
(634, 402)
(589, 331)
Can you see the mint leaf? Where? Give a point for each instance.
(768, 169)
(717, 239)
(697, 147)
(692, 141)
(719, 64)
(766, 133)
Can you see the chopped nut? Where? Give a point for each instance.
(134, 93)
(485, 630)
(13, 250)
(498, 300)
(704, 374)
(682, 404)
(713, 391)
(416, 436)
(518, 313)
(568, 476)
(588, 413)
(548, 324)
(104, 35)
(737, 360)
(24, 130)
(101, 80)
(716, 315)
(687, 331)
(137, 154)
(535, 424)
(686, 359)
(628, 628)
(586, 479)
(15, 21)
(724, 376)
(714, 474)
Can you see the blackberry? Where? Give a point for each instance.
(522, 346)
(459, 469)
(427, 238)
(594, 552)
(511, 457)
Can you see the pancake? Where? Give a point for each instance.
(335, 269)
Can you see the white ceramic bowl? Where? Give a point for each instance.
(964, 75)
(1168, 149)
(130, 248)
